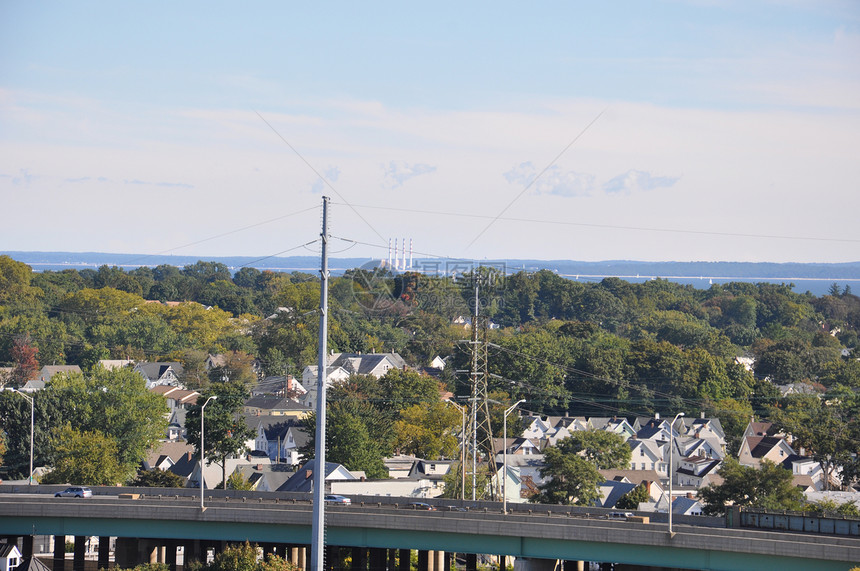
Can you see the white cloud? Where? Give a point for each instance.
(398, 172)
(553, 180)
(637, 181)
(331, 175)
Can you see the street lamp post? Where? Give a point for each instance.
(505, 455)
(462, 410)
(202, 453)
(32, 423)
(671, 470)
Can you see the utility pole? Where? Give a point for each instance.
(318, 524)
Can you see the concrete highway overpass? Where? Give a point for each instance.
(538, 535)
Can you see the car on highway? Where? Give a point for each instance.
(619, 515)
(75, 492)
(421, 506)
(336, 499)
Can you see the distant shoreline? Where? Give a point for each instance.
(813, 277)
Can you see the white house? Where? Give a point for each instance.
(10, 556)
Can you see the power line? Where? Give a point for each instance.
(607, 226)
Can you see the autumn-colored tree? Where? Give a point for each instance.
(24, 355)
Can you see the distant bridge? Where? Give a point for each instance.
(550, 535)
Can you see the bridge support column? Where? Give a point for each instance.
(27, 546)
(59, 553)
(378, 559)
(439, 563)
(405, 560)
(302, 560)
(574, 566)
(359, 559)
(80, 553)
(170, 557)
(104, 552)
(471, 562)
(190, 552)
(449, 558)
(423, 560)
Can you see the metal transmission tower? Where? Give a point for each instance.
(480, 433)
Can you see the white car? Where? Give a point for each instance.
(337, 499)
(75, 492)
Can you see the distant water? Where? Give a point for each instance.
(814, 278)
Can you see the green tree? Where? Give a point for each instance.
(828, 428)
(245, 557)
(83, 457)
(605, 450)
(428, 431)
(157, 479)
(357, 436)
(769, 487)
(573, 480)
(116, 404)
(226, 430)
(632, 499)
(237, 481)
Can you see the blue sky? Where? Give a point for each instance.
(676, 130)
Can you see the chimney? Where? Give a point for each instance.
(259, 467)
(690, 496)
(657, 416)
(189, 455)
(702, 415)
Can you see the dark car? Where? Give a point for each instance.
(75, 492)
(421, 506)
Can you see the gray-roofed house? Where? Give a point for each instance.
(302, 480)
(48, 371)
(32, 563)
(167, 373)
(374, 364)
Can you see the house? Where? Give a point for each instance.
(32, 386)
(280, 385)
(274, 405)
(32, 564)
(515, 446)
(265, 477)
(48, 371)
(399, 466)
(649, 478)
(177, 398)
(614, 424)
(112, 364)
(10, 556)
(168, 373)
(302, 480)
(278, 437)
(437, 363)
(686, 505)
(647, 455)
(756, 449)
(702, 428)
(333, 375)
(611, 491)
(373, 364)
(167, 455)
(698, 471)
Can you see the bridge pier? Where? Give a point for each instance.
(471, 562)
(104, 552)
(405, 562)
(359, 559)
(378, 559)
(534, 564)
(59, 562)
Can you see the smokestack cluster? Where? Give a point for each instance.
(397, 259)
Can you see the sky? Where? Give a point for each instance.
(639, 130)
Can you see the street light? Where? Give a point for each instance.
(32, 419)
(202, 459)
(505, 457)
(462, 410)
(671, 452)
